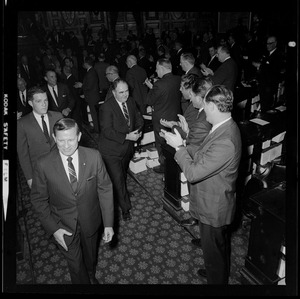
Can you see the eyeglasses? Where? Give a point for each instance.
(270, 43)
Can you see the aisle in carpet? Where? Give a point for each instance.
(152, 248)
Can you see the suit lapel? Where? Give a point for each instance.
(58, 165)
(118, 110)
(81, 165)
(37, 127)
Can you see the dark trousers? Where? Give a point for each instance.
(216, 253)
(81, 256)
(94, 115)
(158, 143)
(117, 168)
(267, 94)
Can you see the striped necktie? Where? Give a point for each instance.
(126, 114)
(55, 95)
(72, 174)
(23, 99)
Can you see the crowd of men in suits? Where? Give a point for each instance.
(116, 89)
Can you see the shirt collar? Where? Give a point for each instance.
(219, 124)
(74, 156)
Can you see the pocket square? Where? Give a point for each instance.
(88, 179)
(64, 95)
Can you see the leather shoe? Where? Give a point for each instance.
(202, 272)
(126, 216)
(93, 279)
(189, 222)
(158, 169)
(196, 242)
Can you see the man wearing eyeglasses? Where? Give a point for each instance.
(269, 73)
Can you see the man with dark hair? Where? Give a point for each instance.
(72, 196)
(164, 96)
(212, 170)
(34, 131)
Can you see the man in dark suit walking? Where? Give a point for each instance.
(72, 195)
(121, 125)
(135, 77)
(100, 68)
(58, 94)
(32, 140)
(23, 107)
(164, 96)
(212, 170)
(70, 81)
(90, 88)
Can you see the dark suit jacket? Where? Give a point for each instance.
(65, 98)
(58, 206)
(109, 93)
(31, 141)
(114, 127)
(226, 74)
(271, 66)
(148, 66)
(135, 78)
(212, 170)
(20, 107)
(214, 64)
(175, 59)
(76, 112)
(90, 87)
(199, 127)
(165, 98)
(196, 71)
(100, 68)
(31, 78)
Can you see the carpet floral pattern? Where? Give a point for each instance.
(152, 247)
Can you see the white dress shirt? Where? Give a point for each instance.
(219, 124)
(39, 120)
(74, 161)
(51, 91)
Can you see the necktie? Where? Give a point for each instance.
(126, 114)
(72, 174)
(45, 129)
(23, 99)
(55, 95)
(27, 70)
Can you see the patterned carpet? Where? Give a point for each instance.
(151, 249)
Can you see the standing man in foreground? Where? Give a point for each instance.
(72, 199)
(213, 169)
